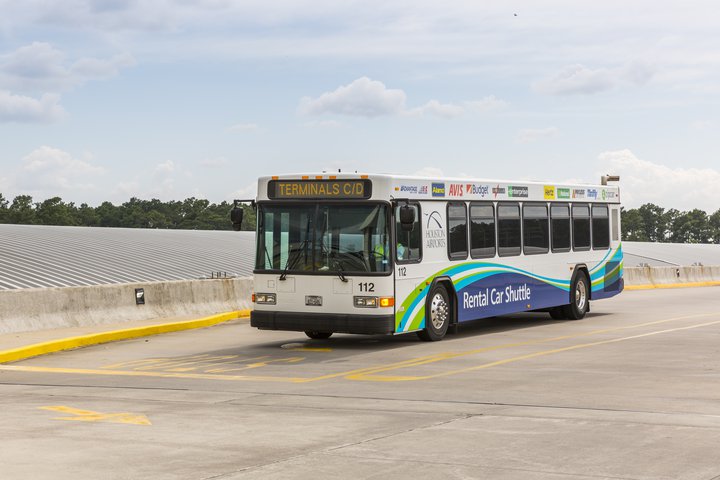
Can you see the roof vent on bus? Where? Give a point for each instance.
(609, 178)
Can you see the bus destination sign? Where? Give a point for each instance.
(319, 189)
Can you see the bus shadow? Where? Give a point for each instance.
(342, 347)
(507, 323)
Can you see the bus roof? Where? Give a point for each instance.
(347, 186)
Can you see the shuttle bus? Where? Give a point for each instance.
(389, 254)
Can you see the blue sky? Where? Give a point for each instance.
(104, 100)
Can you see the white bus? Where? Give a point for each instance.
(387, 254)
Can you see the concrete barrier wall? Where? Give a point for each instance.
(635, 276)
(44, 308)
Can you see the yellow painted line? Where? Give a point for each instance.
(370, 373)
(135, 373)
(379, 378)
(309, 349)
(651, 286)
(115, 335)
(91, 416)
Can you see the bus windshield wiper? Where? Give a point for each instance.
(292, 261)
(340, 270)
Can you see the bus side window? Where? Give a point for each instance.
(482, 230)
(409, 244)
(535, 229)
(508, 229)
(560, 225)
(581, 227)
(600, 227)
(457, 231)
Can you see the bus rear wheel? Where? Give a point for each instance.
(579, 298)
(438, 315)
(315, 335)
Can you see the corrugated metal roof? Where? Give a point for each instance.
(667, 254)
(33, 256)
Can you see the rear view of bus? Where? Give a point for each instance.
(323, 260)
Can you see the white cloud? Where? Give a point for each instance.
(443, 110)
(487, 104)
(215, 162)
(363, 98)
(127, 189)
(45, 159)
(50, 171)
(165, 168)
(322, 124)
(242, 127)
(42, 67)
(642, 181)
(243, 193)
(432, 172)
(18, 108)
(528, 135)
(579, 79)
(370, 98)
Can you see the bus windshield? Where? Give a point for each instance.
(317, 237)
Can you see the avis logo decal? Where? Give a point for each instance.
(456, 190)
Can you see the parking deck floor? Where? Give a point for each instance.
(632, 392)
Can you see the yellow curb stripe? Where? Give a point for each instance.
(69, 343)
(651, 286)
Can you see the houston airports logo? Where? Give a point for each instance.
(434, 232)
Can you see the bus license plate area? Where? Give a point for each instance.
(313, 300)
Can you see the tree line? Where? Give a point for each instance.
(191, 213)
(651, 223)
(648, 223)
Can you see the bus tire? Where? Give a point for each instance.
(315, 335)
(579, 297)
(438, 315)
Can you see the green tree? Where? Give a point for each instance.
(108, 215)
(714, 226)
(4, 213)
(653, 222)
(54, 211)
(691, 227)
(21, 211)
(86, 216)
(633, 227)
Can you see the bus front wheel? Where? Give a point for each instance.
(579, 297)
(438, 314)
(315, 335)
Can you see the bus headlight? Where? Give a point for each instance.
(265, 298)
(366, 302)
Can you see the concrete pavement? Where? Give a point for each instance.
(632, 391)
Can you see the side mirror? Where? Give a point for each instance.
(407, 218)
(236, 216)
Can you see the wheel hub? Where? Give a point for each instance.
(438, 311)
(580, 295)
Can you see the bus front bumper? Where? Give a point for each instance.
(323, 322)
